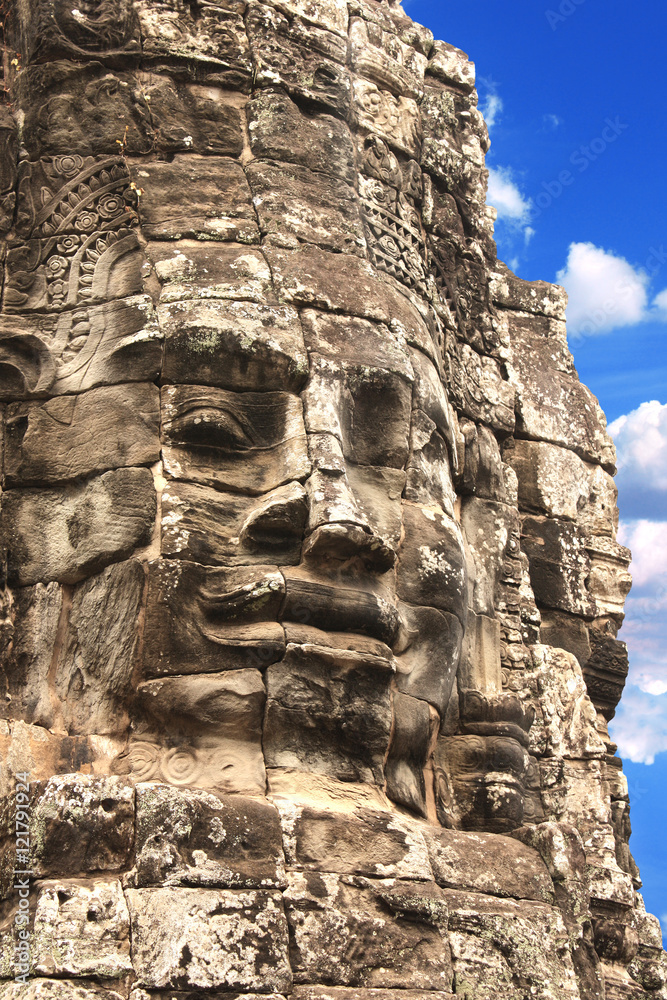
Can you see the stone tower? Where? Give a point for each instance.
(309, 620)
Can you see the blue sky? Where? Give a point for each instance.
(574, 94)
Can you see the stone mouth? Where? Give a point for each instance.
(340, 609)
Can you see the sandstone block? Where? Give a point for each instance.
(432, 570)
(306, 60)
(294, 204)
(279, 130)
(502, 943)
(82, 930)
(374, 844)
(201, 731)
(394, 119)
(95, 668)
(328, 711)
(209, 46)
(427, 667)
(202, 525)
(408, 752)
(188, 269)
(77, 350)
(66, 533)
(233, 345)
(53, 32)
(192, 838)
(81, 823)
(196, 197)
(203, 619)
(78, 270)
(211, 939)
(367, 946)
(488, 863)
(73, 436)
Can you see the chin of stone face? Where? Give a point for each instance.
(311, 587)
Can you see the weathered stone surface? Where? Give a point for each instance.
(394, 119)
(234, 345)
(366, 945)
(552, 405)
(202, 619)
(427, 667)
(48, 355)
(514, 946)
(222, 209)
(82, 930)
(313, 277)
(451, 65)
(69, 532)
(409, 751)
(83, 270)
(193, 838)
(205, 526)
(329, 711)
(188, 269)
(191, 117)
(248, 442)
(88, 108)
(52, 31)
(308, 61)
(280, 130)
(295, 204)
(55, 989)
(81, 823)
(488, 863)
(375, 844)
(203, 731)
(347, 400)
(208, 45)
(26, 668)
(74, 195)
(432, 570)
(385, 59)
(211, 939)
(95, 669)
(491, 532)
(73, 436)
(559, 564)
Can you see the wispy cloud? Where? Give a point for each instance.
(506, 197)
(551, 122)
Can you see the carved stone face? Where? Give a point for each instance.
(307, 536)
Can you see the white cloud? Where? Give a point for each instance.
(641, 445)
(660, 303)
(640, 726)
(506, 197)
(648, 542)
(552, 122)
(605, 291)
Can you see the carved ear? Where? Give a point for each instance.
(26, 367)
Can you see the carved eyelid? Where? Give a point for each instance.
(224, 427)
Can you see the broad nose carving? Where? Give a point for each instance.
(339, 529)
